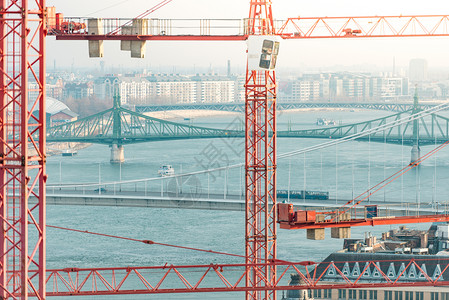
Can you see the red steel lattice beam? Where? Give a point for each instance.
(260, 166)
(22, 147)
(378, 221)
(365, 26)
(293, 28)
(259, 273)
(230, 277)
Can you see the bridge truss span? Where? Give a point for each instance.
(281, 106)
(122, 126)
(398, 128)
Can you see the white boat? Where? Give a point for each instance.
(325, 122)
(166, 170)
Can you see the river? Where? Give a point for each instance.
(344, 171)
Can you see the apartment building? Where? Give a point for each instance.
(343, 87)
(172, 89)
(399, 293)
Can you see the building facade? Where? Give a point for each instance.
(333, 87)
(170, 89)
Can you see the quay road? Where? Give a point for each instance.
(230, 201)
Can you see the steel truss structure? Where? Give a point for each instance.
(231, 277)
(280, 106)
(123, 126)
(22, 143)
(22, 147)
(292, 28)
(260, 166)
(428, 130)
(365, 26)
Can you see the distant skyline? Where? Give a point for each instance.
(378, 52)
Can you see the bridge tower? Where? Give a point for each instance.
(117, 149)
(260, 159)
(416, 151)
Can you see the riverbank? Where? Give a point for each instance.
(189, 114)
(58, 148)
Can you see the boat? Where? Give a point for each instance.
(69, 152)
(166, 170)
(325, 122)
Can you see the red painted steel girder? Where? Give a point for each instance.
(117, 37)
(230, 277)
(307, 28)
(367, 222)
(260, 167)
(260, 164)
(22, 148)
(365, 26)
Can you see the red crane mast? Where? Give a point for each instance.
(22, 147)
(260, 164)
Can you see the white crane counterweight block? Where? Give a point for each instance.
(95, 27)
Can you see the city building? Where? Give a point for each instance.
(418, 70)
(170, 89)
(104, 86)
(78, 90)
(334, 87)
(56, 112)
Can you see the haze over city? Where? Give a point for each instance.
(360, 55)
(174, 156)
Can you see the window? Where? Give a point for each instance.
(409, 296)
(444, 296)
(388, 295)
(373, 295)
(419, 296)
(341, 294)
(434, 296)
(327, 294)
(363, 294)
(398, 295)
(352, 295)
(317, 293)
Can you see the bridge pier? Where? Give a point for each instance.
(415, 154)
(117, 153)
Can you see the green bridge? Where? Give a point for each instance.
(118, 126)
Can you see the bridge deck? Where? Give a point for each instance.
(232, 202)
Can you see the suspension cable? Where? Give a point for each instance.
(352, 137)
(387, 181)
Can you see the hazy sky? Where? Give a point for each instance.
(293, 54)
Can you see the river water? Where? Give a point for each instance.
(344, 171)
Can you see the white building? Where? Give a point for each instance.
(171, 89)
(216, 91)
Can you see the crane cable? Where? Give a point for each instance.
(107, 7)
(141, 16)
(388, 180)
(148, 242)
